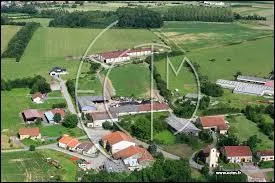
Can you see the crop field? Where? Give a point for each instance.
(14, 102)
(7, 32)
(250, 58)
(197, 35)
(30, 166)
(185, 81)
(43, 21)
(130, 80)
(51, 47)
(244, 128)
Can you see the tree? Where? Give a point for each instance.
(211, 89)
(205, 136)
(32, 148)
(252, 142)
(205, 170)
(94, 67)
(152, 148)
(204, 102)
(57, 117)
(230, 140)
(70, 121)
(237, 74)
(38, 121)
(107, 125)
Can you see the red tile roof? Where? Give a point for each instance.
(102, 115)
(270, 83)
(214, 121)
(116, 137)
(69, 141)
(114, 54)
(156, 106)
(266, 153)
(33, 132)
(141, 153)
(58, 110)
(234, 151)
(32, 113)
(37, 94)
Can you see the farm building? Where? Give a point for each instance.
(246, 88)
(114, 166)
(139, 108)
(237, 154)
(57, 71)
(214, 123)
(38, 98)
(32, 133)
(266, 155)
(30, 115)
(134, 157)
(49, 115)
(88, 103)
(252, 79)
(211, 155)
(117, 141)
(182, 125)
(68, 142)
(86, 148)
(97, 118)
(122, 55)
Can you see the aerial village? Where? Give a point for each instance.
(123, 149)
(197, 127)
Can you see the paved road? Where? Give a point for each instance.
(193, 163)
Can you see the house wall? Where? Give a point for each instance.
(121, 145)
(91, 151)
(266, 158)
(132, 163)
(98, 123)
(240, 159)
(38, 100)
(62, 145)
(28, 136)
(213, 158)
(223, 132)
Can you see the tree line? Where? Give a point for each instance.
(36, 84)
(6, 21)
(19, 42)
(237, 16)
(198, 13)
(29, 9)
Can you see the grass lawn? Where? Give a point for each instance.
(14, 102)
(185, 81)
(55, 94)
(30, 167)
(130, 80)
(50, 47)
(270, 176)
(182, 150)
(236, 100)
(266, 164)
(165, 137)
(43, 21)
(7, 32)
(230, 166)
(244, 128)
(250, 58)
(194, 35)
(197, 175)
(58, 130)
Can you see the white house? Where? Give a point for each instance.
(38, 98)
(237, 154)
(117, 141)
(212, 156)
(134, 157)
(86, 148)
(97, 118)
(57, 71)
(266, 155)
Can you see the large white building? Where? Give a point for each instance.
(117, 141)
(246, 88)
(97, 118)
(122, 55)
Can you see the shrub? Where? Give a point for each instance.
(70, 121)
(107, 125)
(59, 105)
(32, 148)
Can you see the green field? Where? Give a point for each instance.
(165, 137)
(185, 81)
(50, 47)
(7, 32)
(197, 35)
(251, 58)
(245, 128)
(14, 102)
(43, 21)
(30, 166)
(130, 80)
(58, 130)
